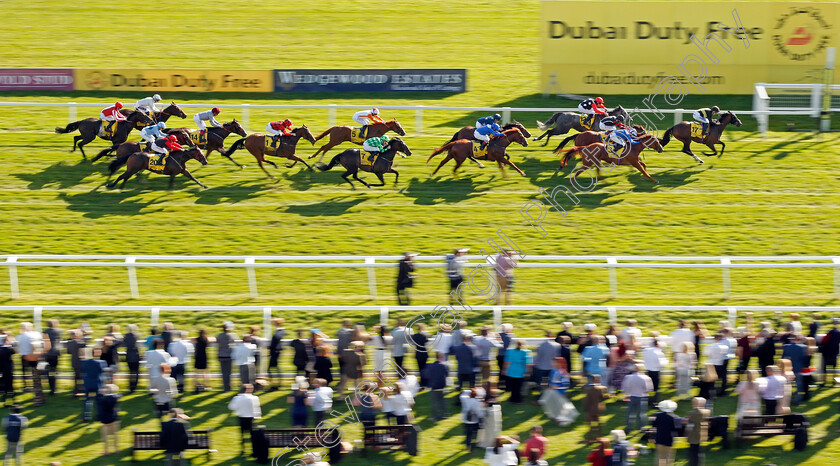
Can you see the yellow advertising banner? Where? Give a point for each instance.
(174, 80)
(631, 47)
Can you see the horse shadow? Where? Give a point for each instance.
(229, 194)
(328, 208)
(535, 167)
(303, 179)
(667, 179)
(60, 175)
(433, 191)
(98, 204)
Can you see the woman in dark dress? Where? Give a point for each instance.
(323, 364)
(110, 356)
(132, 357)
(299, 401)
(419, 341)
(200, 356)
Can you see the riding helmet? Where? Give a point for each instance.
(374, 111)
(620, 118)
(287, 122)
(600, 100)
(118, 105)
(497, 117)
(156, 97)
(716, 109)
(173, 138)
(161, 125)
(216, 111)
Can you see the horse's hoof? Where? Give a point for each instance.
(522, 174)
(480, 166)
(655, 182)
(242, 167)
(288, 165)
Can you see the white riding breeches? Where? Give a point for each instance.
(606, 127)
(697, 116)
(368, 148)
(614, 137)
(587, 111)
(199, 122)
(272, 131)
(481, 137)
(478, 125)
(160, 150)
(361, 121)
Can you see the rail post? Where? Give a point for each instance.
(267, 331)
(331, 115)
(613, 315)
(36, 318)
(154, 317)
(497, 318)
(71, 112)
(678, 116)
(132, 277)
(252, 277)
(836, 261)
(732, 317)
(418, 120)
(613, 277)
(383, 315)
(725, 262)
(246, 116)
(505, 115)
(13, 278)
(371, 273)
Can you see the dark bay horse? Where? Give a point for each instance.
(172, 110)
(89, 130)
(594, 154)
(590, 137)
(568, 120)
(351, 160)
(215, 137)
(339, 134)
(468, 132)
(176, 164)
(682, 132)
(255, 143)
(462, 150)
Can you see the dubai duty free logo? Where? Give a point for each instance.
(801, 33)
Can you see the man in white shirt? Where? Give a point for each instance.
(246, 406)
(180, 349)
(443, 342)
(716, 354)
(681, 335)
(156, 357)
(163, 389)
(26, 341)
(636, 387)
(320, 399)
(655, 360)
(631, 333)
(243, 357)
(772, 390)
(398, 339)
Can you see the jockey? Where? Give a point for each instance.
(374, 145)
(592, 107)
(152, 133)
(279, 128)
(704, 116)
(483, 134)
(364, 117)
(611, 125)
(208, 115)
(147, 105)
(112, 114)
(164, 146)
(488, 120)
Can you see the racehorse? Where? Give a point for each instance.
(468, 132)
(462, 150)
(182, 134)
(89, 130)
(172, 110)
(594, 154)
(255, 143)
(682, 132)
(351, 160)
(568, 120)
(216, 137)
(589, 137)
(339, 134)
(176, 163)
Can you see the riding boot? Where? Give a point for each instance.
(483, 145)
(363, 132)
(588, 121)
(705, 129)
(274, 141)
(148, 146)
(371, 157)
(110, 125)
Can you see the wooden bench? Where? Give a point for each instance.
(300, 437)
(771, 425)
(150, 441)
(396, 437)
(718, 426)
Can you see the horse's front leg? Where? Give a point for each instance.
(188, 175)
(687, 150)
(722, 148)
(296, 160)
(507, 161)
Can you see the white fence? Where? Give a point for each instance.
(762, 114)
(251, 263)
(791, 99)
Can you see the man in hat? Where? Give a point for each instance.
(405, 278)
(666, 424)
(225, 342)
(455, 271)
(173, 435)
(595, 395)
(697, 430)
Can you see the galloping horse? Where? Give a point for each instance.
(89, 130)
(256, 145)
(682, 132)
(462, 150)
(182, 134)
(351, 160)
(215, 137)
(139, 161)
(593, 154)
(568, 120)
(468, 132)
(339, 134)
(172, 110)
(590, 137)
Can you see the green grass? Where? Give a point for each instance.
(767, 196)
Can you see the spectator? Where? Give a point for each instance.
(25, 341)
(93, 371)
(697, 431)
(455, 271)
(679, 336)
(299, 401)
(536, 442)
(465, 354)
(167, 333)
(700, 333)
(796, 352)
(421, 352)
(173, 435)
(260, 342)
(443, 341)
(772, 390)
(814, 326)
(555, 404)
(621, 448)
(731, 345)
(202, 342)
(655, 360)
(611, 337)
(399, 342)
(354, 363)
(225, 342)
(150, 340)
(323, 365)
(666, 424)
(484, 345)
(795, 324)
(744, 349)
(565, 352)
(749, 396)
(594, 396)
(344, 337)
(547, 351)
(472, 412)
(458, 332)
(506, 336)
(163, 389)
(181, 349)
(405, 278)
(14, 424)
(380, 340)
(7, 370)
(685, 361)
(505, 263)
(830, 347)
(631, 334)
(786, 371)
(568, 331)
(716, 355)
(518, 363)
(246, 406)
(491, 426)
(503, 453)
(435, 375)
(765, 350)
(243, 357)
(636, 387)
(301, 346)
(386, 400)
(707, 384)
(320, 399)
(111, 356)
(108, 413)
(808, 369)
(75, 348)
(623, 364)
(594, 357)
(132, 357)
(53, 335)
(158, 356)
(401, 403)
(601, 456)
(533, 459)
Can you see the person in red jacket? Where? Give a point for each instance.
(112, 114)
(164, 146)
(279, 128)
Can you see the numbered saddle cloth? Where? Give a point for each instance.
(365, 157)
(696, 130)
(583, 118)
(477, 151)
(199, 139)
(269, 143)
(357, 135)
(104, 133)
(157, 162)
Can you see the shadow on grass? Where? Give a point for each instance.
(230, 194)
(98, 204)
(59, 175)
(328, 208)
(433, 191)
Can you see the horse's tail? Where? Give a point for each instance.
(236, 146)
(437, 151)
(565, 141)
(69, 128)
(454, 137)
(105, 152)
(667, 137)
(318, 137)
(328, 166)
(118, 162)
(544, 126)
(569, 154)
